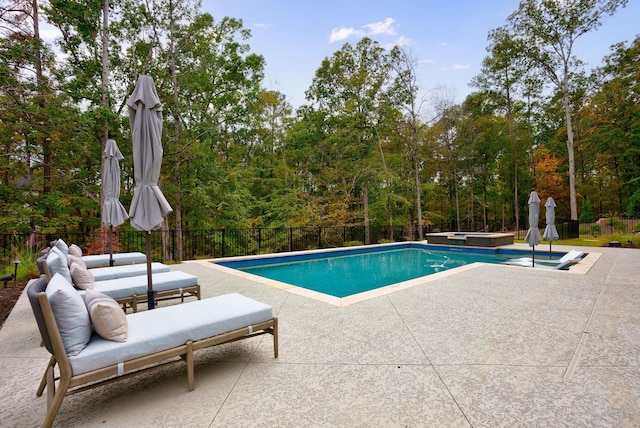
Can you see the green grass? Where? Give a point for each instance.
(595, 241)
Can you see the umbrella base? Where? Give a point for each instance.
(151, 299)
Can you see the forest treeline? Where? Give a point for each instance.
(370, 147)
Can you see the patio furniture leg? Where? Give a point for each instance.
(43, 382)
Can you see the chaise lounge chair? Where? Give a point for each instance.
(126, 271)
(128, 291)
(99, 260)
(153, 338)
(563, 263)
(119, 259)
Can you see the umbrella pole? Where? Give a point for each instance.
(110, 245)
(549, 250)
(150, 295)
(533, 256)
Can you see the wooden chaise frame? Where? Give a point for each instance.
(69, 384)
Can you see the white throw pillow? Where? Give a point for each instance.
(62, 246)
(82, 278)
(108, 318)
(70, 313)
(57, 263)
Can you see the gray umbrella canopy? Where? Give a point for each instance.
(550, 232)
(533, 234)
(148, 206)
(113, 213)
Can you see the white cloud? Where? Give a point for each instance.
(338, 34)
(373, 29)
(381, 27)
(456, 67)
(402, 41)
(50, 34)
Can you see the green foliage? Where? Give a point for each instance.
(27, 268)
(235, 155)
(633, 208)
(586, 213)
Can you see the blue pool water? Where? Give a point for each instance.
(346, 272)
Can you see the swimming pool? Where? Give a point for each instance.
(346, 272)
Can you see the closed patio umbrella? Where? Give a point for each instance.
(550, 232)
(148, 206)
(533, 234)
(113, 213)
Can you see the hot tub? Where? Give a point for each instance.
(472, 239)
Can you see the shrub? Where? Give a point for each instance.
(595, 229)
(633, 208)
(27, 267)
(586, 213)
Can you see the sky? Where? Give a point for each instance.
(448, 38)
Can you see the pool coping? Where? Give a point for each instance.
(580, 268)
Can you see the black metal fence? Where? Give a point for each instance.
(218, 242)
(567, 229)
(250, 241)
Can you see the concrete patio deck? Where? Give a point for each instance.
(488, 346)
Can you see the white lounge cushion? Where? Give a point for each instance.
(115, 272)
(167, 327)
(125, 287)
(107, 317)
(70, 313)
(101, 260)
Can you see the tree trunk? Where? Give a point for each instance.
(177, 132)
(365, 198)
(105, 88)
(416, 183)
(45, 142)
(572, 163)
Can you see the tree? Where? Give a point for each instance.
(411, 127)
(352, 87)
(550, 28)
(610, 121)
(503, 72)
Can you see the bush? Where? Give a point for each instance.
(617, 224)
(586, 213)
(353, 243)
(27, 267)
(595, 229)
(633, 208)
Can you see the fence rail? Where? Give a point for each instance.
(250, 241)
